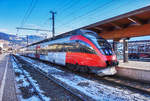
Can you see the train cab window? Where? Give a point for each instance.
(100, 43)
(103, 43)
(104, 47)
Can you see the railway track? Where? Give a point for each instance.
(33, 86)
(52, 88)
(109, 81)
(137, 86)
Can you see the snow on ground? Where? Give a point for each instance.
(36, 86)
(33, 98)
(22, 82)
(91, 88)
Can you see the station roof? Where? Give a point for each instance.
(132, 24)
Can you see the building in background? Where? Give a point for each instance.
(5, 46)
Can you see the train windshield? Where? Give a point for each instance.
(104, 46)
(101, 43)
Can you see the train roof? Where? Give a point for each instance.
(74, 32)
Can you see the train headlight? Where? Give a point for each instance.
(114, 57)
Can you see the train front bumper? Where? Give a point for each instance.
(107, 71)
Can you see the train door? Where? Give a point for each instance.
(37, 54)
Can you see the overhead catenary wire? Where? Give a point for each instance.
(77, 17)
(67, 24)
(79, 8)
(22, 22)
(67, 6)
(63, 6)
(108, 14)
(90, 12)
(29, 11)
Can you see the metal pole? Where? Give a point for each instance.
(53, 22)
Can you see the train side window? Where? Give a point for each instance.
(63, 48)
(51, 48)
(58, 48)
(66, 47)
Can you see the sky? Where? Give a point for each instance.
(70, 14)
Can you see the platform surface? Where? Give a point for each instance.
(135, 65)
(7, 85)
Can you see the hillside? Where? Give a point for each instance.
(18, 40)
(7, 37)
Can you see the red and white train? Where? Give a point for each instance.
(79, 50)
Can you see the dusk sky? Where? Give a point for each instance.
(71, 14)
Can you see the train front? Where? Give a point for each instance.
(107, 57)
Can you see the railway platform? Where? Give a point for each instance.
(7, 84)
(137, 70)
(135, 65)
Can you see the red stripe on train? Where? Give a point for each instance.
(79, 58)
(103, 57)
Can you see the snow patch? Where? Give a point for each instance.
(23, 82)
